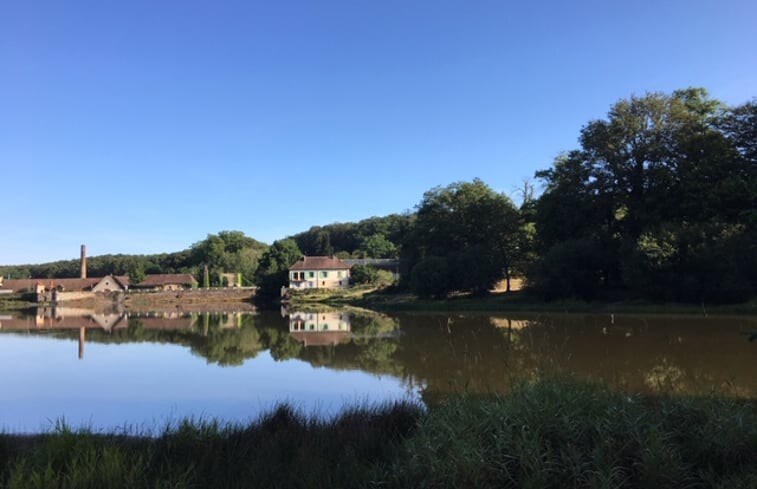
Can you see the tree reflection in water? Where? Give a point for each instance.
(472, 352)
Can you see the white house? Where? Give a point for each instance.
(319, 272)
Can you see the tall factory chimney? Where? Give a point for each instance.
(83, 261)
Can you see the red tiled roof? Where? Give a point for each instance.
(321, 338)
(123, 280)
(157, 280)
(68, 284)
(319, 263)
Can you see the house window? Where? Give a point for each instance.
(324, 274)
(311, 274)
(340, 274)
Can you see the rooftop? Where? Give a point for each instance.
(319, 263)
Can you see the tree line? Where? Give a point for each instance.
(659, 202)
(227, 251)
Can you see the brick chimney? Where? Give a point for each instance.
(83, 261)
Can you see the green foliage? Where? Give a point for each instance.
(571, 269)
(663, 189)
(465, 238)
(431, 277)
(740, 126)
(659, 202)
(384, 278)
(228, 251)
(368, 275)
(363, 274)
(273, 271)
(136, 275)
(350, 239)
(377, 246)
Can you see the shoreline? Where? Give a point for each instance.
(188, 300)
(547, 433)
(507, 302)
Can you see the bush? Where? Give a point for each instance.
(431, 278)
(363, 274)
(571, 269)
(368, 275)
(475, 270)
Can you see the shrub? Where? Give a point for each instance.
(431, 277)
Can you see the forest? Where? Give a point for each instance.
(658, 202)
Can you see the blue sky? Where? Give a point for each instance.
(142, 126)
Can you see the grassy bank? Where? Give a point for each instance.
(330, 297)
(502, 302)
(547, 434)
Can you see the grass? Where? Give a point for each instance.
(521, 302)
(498, 301)
(330, 297)
(281, 449)
(557, 433)
(564, 434)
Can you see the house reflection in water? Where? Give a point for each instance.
(65, 318)
(320, 328)
(81, 319)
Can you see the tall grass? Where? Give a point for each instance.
(567, 434)
(283, 448)
(541, 435)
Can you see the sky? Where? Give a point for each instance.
(142, 126)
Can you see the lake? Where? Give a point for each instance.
(140, 371)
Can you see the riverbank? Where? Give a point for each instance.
(371, 298)
(545, 434)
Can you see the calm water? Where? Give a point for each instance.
(143, 370)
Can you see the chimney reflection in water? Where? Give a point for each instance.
(82, 335)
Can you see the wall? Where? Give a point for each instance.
(71, 296)
(331, 281)
(107, 284)
(221, 294)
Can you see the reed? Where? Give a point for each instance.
(551, 433)
(560, 433)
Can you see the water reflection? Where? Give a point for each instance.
(433, 354)
(316, 328)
